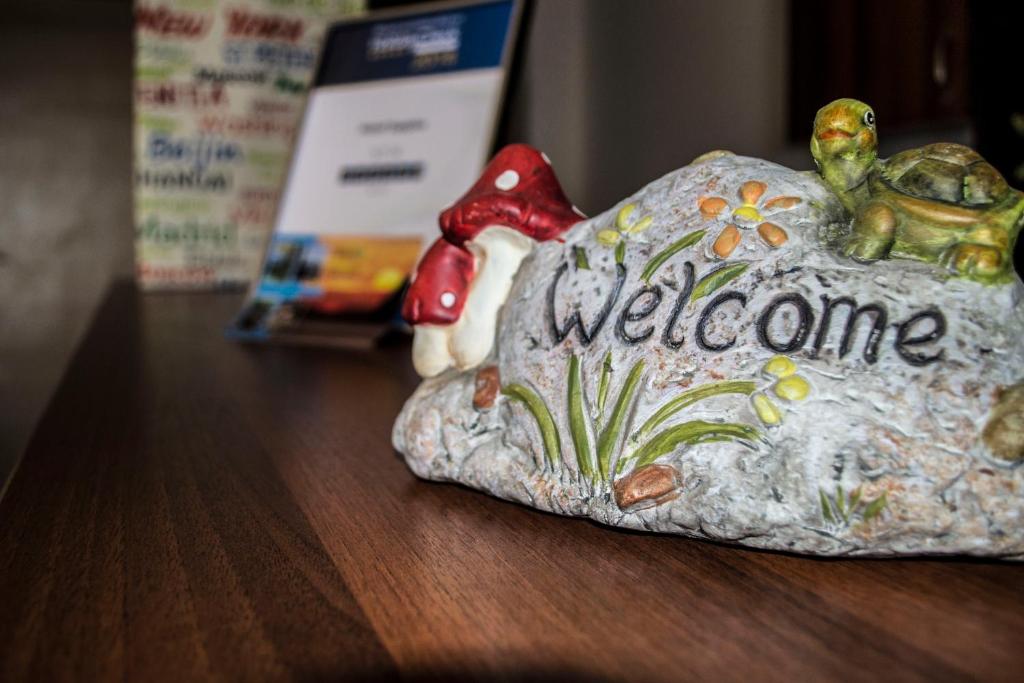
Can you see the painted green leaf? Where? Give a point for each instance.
(620, 252)
(840, 503)
(717, 278)
(545, 423)
(582, 262)
(610, 434)
(578, 420)
(688, 398)
(602, 384)
(875, 507)
(854, 499)
(826, 509)
(668, 252)
(623, 462)
(690, 434)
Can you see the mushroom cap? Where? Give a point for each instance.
(439, 285)
(518, 189)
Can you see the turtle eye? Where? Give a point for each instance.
(869, 118)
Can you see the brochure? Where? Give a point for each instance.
(400, 121)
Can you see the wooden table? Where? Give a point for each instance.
(192, 508)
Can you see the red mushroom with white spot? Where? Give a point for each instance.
(462, 281)
(435, 301)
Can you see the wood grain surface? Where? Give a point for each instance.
(191, 508)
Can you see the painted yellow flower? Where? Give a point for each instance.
(751, 211)
(786, 384)
(624, 227)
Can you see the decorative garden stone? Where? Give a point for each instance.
(703, 359)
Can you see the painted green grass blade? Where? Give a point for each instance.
(716, 279)
(826, 509)
(623, 462)
(688, 398)
(620, 252)
(602, 384)
(545, 423)
(690, 434)
(578, 421)
(582, 262)
(854, 499)
(875, 507)
(668, 252)
(611, 432)
(840, 501)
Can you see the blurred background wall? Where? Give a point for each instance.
(65, 190)
(620, 93)
(616, 92)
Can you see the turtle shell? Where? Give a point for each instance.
(946, 172)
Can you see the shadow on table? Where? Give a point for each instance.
(460, 676)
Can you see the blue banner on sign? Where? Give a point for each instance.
(415, 45)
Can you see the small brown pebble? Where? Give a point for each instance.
(751, 191)
(488, 383)
(727, 241)
(647, 487)
(711, 206)
(772, 234)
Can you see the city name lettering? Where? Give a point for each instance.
(165, 22)
(245, 24)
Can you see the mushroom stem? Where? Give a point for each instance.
(430, 349)
(499, 251)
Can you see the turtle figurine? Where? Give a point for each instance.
(942, 203)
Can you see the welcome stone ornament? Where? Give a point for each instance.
(717, 357)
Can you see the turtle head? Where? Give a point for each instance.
(844, 146)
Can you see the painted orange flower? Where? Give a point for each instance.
(751, 211)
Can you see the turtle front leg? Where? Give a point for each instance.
(1004, 432)
(982, 255)
(874, 231)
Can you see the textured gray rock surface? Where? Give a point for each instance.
(879, 458)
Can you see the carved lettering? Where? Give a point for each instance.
(705, 316)
(575, 321)
(645, 301)
(667, 337)
(879, 319)
(628, 315)
(903, 338)
(804, 323)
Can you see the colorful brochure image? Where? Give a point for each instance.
(310, 279)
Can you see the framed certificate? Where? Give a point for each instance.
(399, 122)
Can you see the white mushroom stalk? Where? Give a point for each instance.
(499, 251)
